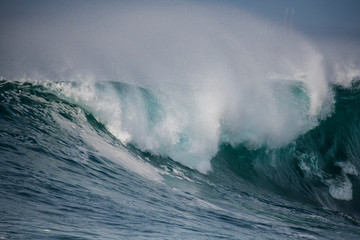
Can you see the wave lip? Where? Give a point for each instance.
(187, 124)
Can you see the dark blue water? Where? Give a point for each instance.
(64, 175)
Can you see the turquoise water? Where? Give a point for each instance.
(96, 161)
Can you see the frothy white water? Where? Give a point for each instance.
(217, 75)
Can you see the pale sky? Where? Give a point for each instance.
(41, 34)
(312, 16)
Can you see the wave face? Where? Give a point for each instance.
(72, 168)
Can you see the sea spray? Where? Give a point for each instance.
(211, 81)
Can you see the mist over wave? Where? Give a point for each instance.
(214, 74)
(218, 74)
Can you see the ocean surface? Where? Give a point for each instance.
(107, 160)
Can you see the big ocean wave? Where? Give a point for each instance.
(253, 112)
(318, 165)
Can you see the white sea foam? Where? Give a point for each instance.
(348, 168)
(341, 190)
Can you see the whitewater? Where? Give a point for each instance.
(169, 121)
